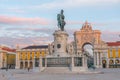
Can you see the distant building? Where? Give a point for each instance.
(7, 57)
(112, 58)
(29, 56)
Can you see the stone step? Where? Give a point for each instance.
(57, 69)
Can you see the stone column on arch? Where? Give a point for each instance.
(95, 61)
(84, 61)
(100, 60)
(72, 63)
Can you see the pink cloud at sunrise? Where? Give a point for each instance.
(20, 20)
(110, 36)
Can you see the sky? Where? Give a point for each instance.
(33, 22)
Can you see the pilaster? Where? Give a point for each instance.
(72, 64)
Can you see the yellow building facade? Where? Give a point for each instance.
(28, 57)
(7, 57)
(112, 59)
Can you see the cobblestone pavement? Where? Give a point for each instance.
(107, 74)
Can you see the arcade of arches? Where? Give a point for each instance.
(28, 57)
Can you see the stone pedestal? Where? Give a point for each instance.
(60, 43)
(61, 60)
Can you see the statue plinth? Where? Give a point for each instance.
(60, 43)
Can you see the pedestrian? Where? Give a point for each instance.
(28, 69)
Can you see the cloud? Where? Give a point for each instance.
(27, 32)
(56, 4)
(114, 23)
(108, 23)
(23, 21)
(110, 36)
(14, 9)
(31, 29)
(23, 42)
(110, 33)
(74, 3)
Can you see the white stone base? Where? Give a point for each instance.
(57, 70)
(60, 43)
(79, 69)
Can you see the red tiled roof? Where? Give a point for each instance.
(8, 49)
(113, 43)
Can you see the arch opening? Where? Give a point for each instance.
(88, 47)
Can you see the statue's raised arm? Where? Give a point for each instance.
(60, 19)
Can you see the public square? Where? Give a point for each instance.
(59, 40)
(106, 74)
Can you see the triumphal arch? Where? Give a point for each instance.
(86, 35)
